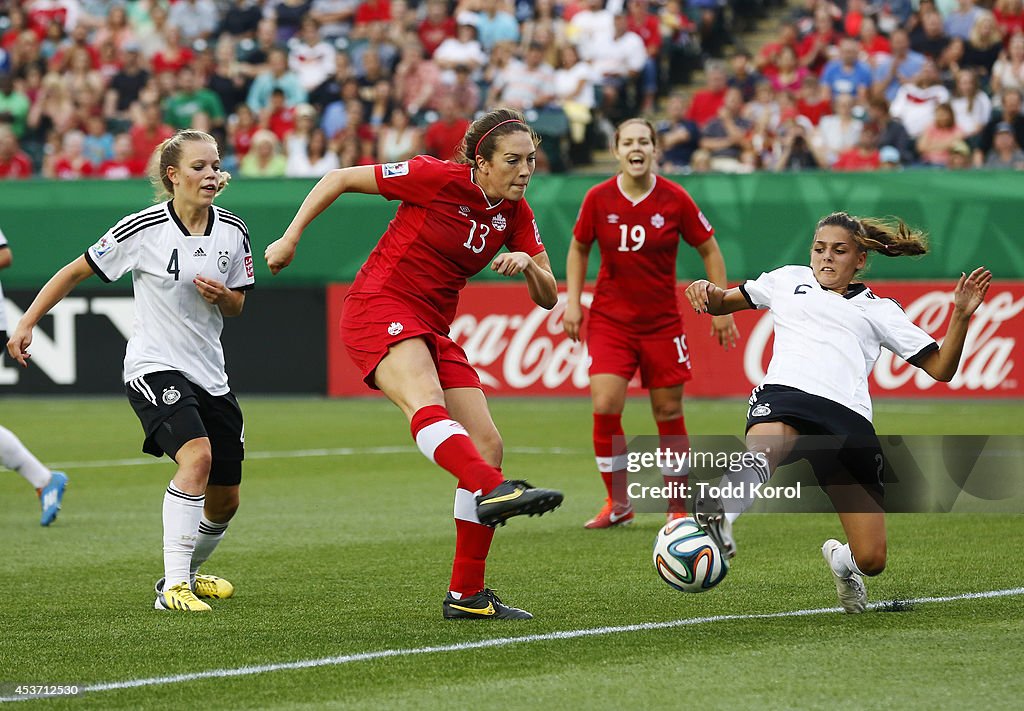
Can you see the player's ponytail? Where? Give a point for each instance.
(168, 154)
(889, 237)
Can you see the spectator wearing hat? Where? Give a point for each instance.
(1005, 153)
(959, 156)
(889, 158)
(1010, 113)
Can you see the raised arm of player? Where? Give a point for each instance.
(707, 298)
(969, 294)
(60, 285)
(723, 328)
(357, 179)
(575, 275)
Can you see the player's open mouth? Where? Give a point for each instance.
(637, 160)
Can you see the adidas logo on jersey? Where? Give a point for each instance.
(199, 253)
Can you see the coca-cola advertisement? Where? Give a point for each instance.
(520, 349)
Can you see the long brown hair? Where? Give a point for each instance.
(891, 237)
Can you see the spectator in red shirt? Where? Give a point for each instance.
(79, 39)
(1009, 16)
(436, 27)
(768, 57)
(14, 162)
(812, 100)
(819, 46)
(148, 131)
(123, 165)
(71, 163)
(863, 156)
(174, 54)
(871, 42)
(707, 101)
(370, 11)
(443, 137)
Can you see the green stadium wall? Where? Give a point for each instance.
(762, 221)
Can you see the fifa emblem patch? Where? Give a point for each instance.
(395, 328)
(171, 395)
(222, 262)
(657, 220)
(248, 265)
(703, 220)
(762, 410)
(536, 232)
(393, 170)
(103, 246)
(499, 222)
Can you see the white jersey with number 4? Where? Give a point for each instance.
(826, 344)
(175, 328)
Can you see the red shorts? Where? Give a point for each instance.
(371, 324)
(661, 356)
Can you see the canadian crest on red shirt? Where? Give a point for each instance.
(499, 223)
(658, 220)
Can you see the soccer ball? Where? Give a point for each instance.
(686, 558)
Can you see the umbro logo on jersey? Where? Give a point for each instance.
(395, 328)
(657, 220)
(464, 210)
(199, 253)
(762, 410)
(499, 222)
(171, 395)
(613, 219)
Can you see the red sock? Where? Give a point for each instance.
(673, 437)
(610, 455)
(445, 442)
(472, 543)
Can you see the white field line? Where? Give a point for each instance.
(499, 642)
(299, 453)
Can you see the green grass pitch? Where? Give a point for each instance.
(343, 546)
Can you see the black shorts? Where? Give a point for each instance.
(174, 410)
(840, 445)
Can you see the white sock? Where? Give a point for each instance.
(182, 513)
(749, 477)
(843, 563)
(14, 455)
(210, 534)
(457, 596)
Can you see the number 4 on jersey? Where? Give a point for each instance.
(172, 265)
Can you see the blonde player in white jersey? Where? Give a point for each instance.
(813, 402)
(49, 485)
(191, 264)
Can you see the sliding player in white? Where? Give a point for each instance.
(14, 455)
(828, 334)
(191, 264)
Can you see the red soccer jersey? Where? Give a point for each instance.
(444, 232)
(639, 242)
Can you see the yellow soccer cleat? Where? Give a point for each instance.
(180, 597)
(212, 587)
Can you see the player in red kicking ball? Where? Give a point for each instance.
(453, 219)
(637, 219)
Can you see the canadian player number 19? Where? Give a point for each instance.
(636, 234)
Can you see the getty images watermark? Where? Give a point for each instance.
(674, 465)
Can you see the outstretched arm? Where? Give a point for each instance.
(59, 286)
(969, 294)
(357, 179)
(707, 298)
(723, 328)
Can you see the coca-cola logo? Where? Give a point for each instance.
(523, 350)
(986, 363)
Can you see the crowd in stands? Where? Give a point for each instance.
(88, 88)
(862, 85)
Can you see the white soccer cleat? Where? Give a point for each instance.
(710, 516)
(853, 596)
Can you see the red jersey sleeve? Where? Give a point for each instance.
(583, 230)
(695, 227)
(525, 236)
(416, 181)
